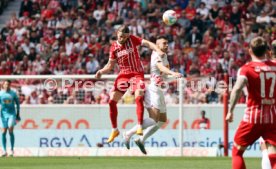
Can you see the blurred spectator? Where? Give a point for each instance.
(194, 36)
(203, 11)
(26, 6)
(89, 98)
(59, 37)
(201, 123)
(92, 66)
(128, 98)
(104, 97)
(170, 97)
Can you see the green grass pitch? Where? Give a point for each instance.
(122, 163)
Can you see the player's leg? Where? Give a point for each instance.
(155, 114)
(115, 96)
(12, 140)
(161, 117)
(11, 124)
(139, 100)
(147, 122)
(265, 160)
(237, 157)
(4, 142)
(245, 135)
(4, 128)
(269, 135)
(137, 84)
(271, 154)
(158, 112)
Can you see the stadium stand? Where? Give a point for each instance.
(62, 37)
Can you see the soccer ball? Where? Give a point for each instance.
(169, 17)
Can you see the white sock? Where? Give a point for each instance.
(114, 129)
(265, 160)
(146, 123)
(151, 130)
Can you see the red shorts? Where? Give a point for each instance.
(131, 80)
(248, 133)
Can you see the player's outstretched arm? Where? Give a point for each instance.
(235, 95)
(152, 46)
(167, 71)
(107, 68)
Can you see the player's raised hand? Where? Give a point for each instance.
(177, 75)
(229, 117)
(98, 74)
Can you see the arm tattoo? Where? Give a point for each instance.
(236, 92)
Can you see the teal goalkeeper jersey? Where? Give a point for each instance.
(8, 100)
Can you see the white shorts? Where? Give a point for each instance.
(154, 97)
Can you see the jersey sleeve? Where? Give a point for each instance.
(137, 41)
(112, 55)
(242, 72)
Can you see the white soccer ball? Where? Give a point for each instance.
(169, 17)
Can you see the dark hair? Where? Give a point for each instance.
(161, 37)
(123, 29)
(258, 46)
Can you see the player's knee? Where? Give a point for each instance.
(116, 96)
(4, 130)
(163, 117)
(112, 102)
(271, 148)
(10, 130)
(139, 92)
(164, 120)
(238, 150)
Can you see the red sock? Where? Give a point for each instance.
(140, 109)
(113, 113)
(272, 159)
(237, 159)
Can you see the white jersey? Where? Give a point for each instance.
(154, 96)
(157, 77)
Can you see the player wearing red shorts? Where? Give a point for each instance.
(124, 51)
(259, 119)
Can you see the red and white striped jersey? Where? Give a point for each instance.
(261, 102)
(127, 55)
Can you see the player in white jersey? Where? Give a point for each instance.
(154, 96)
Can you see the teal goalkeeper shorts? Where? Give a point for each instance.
(8, 121)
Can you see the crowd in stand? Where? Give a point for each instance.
(63, 37)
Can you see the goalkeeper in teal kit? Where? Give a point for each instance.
(9, 115)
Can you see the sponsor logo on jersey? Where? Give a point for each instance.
(124, 52)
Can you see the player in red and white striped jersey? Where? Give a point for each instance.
(154, 96)
(124, 51)
(259, 119)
